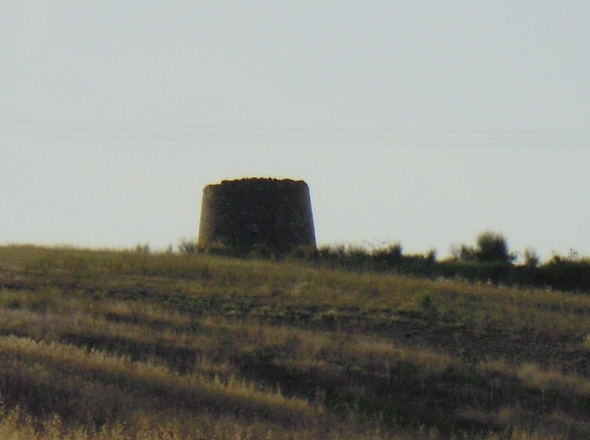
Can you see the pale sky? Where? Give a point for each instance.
(420, 122)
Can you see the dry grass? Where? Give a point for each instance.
(124, 344)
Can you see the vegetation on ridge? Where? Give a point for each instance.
(489, 261)
(130, 345)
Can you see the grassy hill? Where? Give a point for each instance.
(135, 345)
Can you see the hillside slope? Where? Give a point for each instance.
(121, 344)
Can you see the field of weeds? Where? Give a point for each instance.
(100, 344)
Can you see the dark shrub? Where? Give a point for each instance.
(492, 247)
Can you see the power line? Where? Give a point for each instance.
(287, 135)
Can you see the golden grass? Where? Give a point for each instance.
(136, 345)
(533, 376)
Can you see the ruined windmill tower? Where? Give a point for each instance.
(246, 215)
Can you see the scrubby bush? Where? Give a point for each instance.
(531, 258)
(390, 255)
(467, 254)
(423, 299)
(187, 246)
(492, 247)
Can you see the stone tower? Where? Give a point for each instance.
(246, 215)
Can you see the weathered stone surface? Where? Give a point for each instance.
(246, 215)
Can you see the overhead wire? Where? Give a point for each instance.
(289, 135)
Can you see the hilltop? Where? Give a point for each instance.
(130, 344)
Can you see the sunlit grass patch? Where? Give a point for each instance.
(38, 301)
(534, 376)
(53, 366)
(149, 314)
(517, 423)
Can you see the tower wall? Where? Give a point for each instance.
(249, 214)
